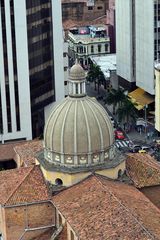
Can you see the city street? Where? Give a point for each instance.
(133, 135)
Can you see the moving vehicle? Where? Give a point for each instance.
(119, 134)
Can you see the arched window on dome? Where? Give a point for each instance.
(58, 182)
(106, 155)
(57, 158)
(95, 158)
(69, 159)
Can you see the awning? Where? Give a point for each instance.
(140, 98)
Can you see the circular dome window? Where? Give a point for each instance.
(59, 182)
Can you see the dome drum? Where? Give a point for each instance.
(77, 160)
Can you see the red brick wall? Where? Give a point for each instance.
(17, 218)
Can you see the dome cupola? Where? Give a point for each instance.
(77, 80)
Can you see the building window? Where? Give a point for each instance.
(57, 158)
(95, 158)
(90, 8)
(81, 88)
(119, 173)
(69, 159)
(81, 49)
(106, 47)
(100, 7)
(92, 49)
(76, 88)
(99, 48)
(49, 155)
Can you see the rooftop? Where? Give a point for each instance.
(22, 185)
(27, 151)
(117, 209)
(7, 150)
(143, 170)
(70, 23)
(106, 63)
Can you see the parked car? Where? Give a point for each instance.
(146, 148)
(119, 134)
(135, 148)
(142, 151)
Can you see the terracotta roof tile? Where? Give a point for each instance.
(100, 209)
(10, 180)
(22, 185)
(68, 24)
(31, 189)
(27, 151)
(7, 150)
(143, 170)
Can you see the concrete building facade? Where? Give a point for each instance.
(111, 24)
(83, 10)
(30, 40)
(87, 41)
(137, 44)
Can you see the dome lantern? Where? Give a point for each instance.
(77, 81)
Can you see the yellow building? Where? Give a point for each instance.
(79, 138)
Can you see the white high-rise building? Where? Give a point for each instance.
(137, 42)
(31, 65)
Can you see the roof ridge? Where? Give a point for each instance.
(29, 171)
(123, 205)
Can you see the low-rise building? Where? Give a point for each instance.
(87, 41)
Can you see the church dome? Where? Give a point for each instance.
(79, 131)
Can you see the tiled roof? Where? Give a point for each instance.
(68, 24)
(143, 170)
(7, 150)
(27, 151)
(98, 209)
(22, 185)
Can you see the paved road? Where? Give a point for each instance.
(133, 135)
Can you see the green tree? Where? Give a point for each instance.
(115, 98)
(95, 75)
(127, 111)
